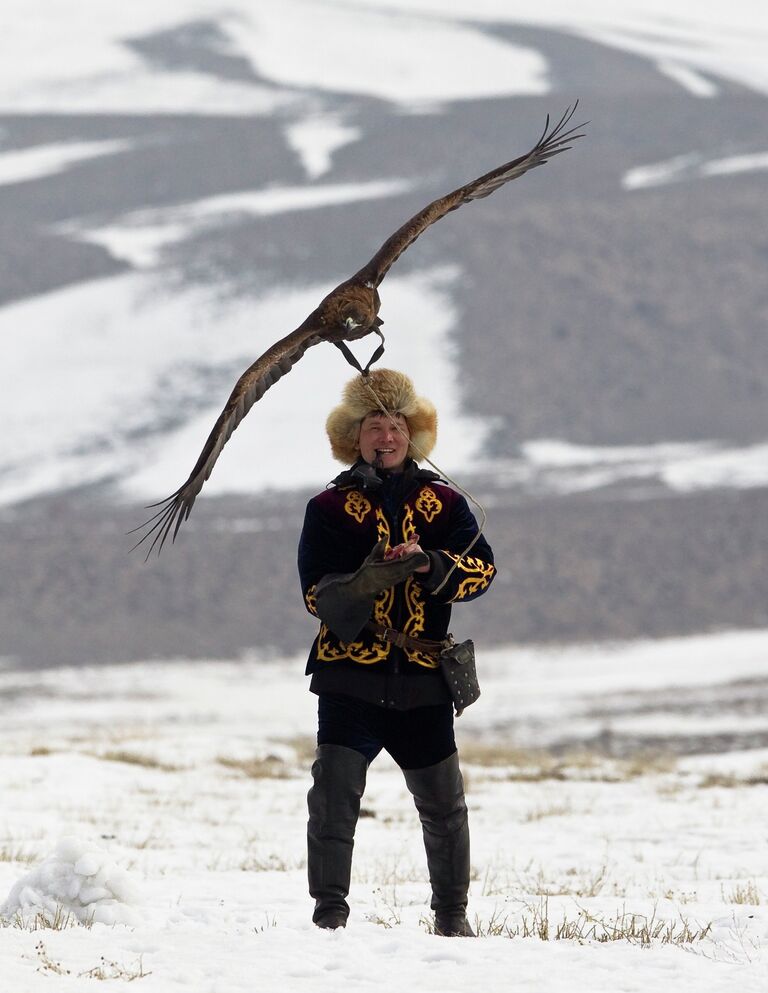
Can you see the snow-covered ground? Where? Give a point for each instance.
(180, 788)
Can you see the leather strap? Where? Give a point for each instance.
(350, 357)
(401, 640)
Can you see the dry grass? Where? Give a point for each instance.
(389, 915)
(267, 767)
(273, 766)
(10, 854)
(136, 758)
(746, 893)
(270, 863)
(303, 745)
(647, 764)
(46, 964)
(578, 883)
(106, 969)
(636, 929)
(269, 923)
(677, 896)
(731, 781)
(61, 920)
(535, 766)
(113, 970)
(552, 810)
(669, 788)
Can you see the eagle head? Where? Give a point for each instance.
(357, 319)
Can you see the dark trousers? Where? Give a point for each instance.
(414, 738)
(351, 733)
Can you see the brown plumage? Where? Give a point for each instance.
(350, 311)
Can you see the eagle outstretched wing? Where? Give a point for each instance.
(551, 143)
(250, 387)
(348, 312)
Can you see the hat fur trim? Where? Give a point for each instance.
(396, 392)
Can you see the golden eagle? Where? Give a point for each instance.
(350, 311)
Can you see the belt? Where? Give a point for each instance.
(401, 640)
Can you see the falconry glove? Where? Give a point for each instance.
(345, 600)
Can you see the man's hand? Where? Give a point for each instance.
(381, 569)
(405, 549)
(344, 602)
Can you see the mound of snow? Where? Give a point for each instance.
(81, 879)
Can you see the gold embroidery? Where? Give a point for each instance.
(329, 649)
(414, 626)
(422, 659)
(479, 575)
(409, 528)
(382, 527)
(415, 623)
(358, 651)
(356, 505)
(382, 608)
(429, 504)
(311, 600)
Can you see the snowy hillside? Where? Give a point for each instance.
(180, 183)
(99, 174)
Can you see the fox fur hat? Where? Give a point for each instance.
(396, 392)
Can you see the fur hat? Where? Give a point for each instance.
(396, 393)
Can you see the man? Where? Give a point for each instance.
(375, 560)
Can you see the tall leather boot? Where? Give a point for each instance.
(438, 792)
(334, 806)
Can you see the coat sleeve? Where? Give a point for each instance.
(321, 551)
(473, 573)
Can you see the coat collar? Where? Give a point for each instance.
(363, 476)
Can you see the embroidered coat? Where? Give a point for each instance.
(341, 526)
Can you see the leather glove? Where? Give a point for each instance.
(344, 600)
(377, 573)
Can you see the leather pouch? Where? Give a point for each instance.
(457, 663)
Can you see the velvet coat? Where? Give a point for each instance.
(341, 526)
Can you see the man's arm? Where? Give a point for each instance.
(474, 572)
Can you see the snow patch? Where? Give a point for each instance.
(689, 79)
(142, 91)
(553, 466)
(400, 57)
(660, 173)
(736, 163)
(692, 166)
(720, 40)
(140, 236)
(315, 139)
(25, 164)
(79, 878)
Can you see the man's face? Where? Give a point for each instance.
(380, 440)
